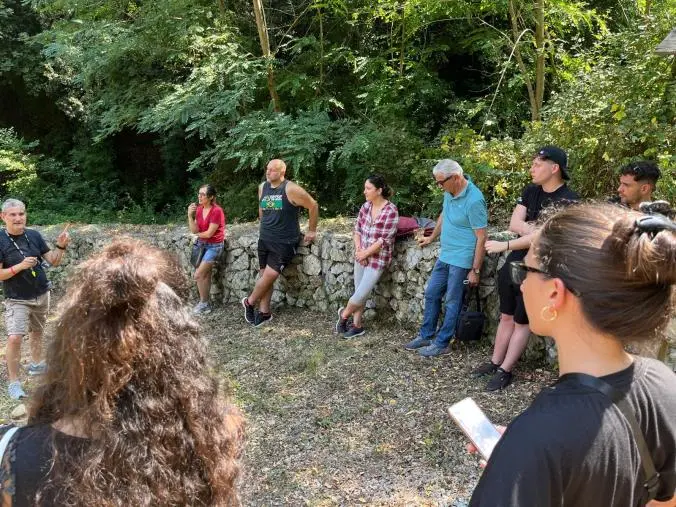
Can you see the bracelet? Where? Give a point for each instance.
(11, 270)
(59, 247)
(507, 244)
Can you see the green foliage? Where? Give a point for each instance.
(620, 108)
(136, 103)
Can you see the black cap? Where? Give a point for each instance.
(556, 155)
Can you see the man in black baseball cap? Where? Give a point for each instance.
(556, 155)
(548, 188)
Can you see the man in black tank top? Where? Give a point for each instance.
(279, 203)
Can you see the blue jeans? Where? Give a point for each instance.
(445, 281)
(212, 251)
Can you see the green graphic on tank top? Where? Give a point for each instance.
(271, 202)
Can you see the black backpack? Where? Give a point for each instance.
(470, 325)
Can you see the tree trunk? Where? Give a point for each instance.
(648, 5)
(321, 50)
(540, 57)
(403, 39)
(262, 27)
(519, 60)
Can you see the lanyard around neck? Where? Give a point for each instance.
(19, 249)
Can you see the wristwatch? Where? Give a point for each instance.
(476, 271)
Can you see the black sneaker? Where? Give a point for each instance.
(488, 368)
(249, 311)
(262, 318)
(499, 380)
(353, 332)
(341, 323)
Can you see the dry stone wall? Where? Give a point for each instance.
(320, 276)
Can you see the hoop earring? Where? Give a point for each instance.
(552, 312)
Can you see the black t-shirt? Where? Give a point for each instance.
(23, 285)
(32, 449)
(535, 199)
(573, 447)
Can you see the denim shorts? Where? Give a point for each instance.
(212, 251)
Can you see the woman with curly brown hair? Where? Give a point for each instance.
(128, 413)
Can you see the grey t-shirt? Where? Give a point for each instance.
(573, 447)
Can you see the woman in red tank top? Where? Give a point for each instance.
(207, 220)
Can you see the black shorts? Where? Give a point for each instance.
(275, 255)
(511, 299)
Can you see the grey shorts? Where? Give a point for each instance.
(25, 315)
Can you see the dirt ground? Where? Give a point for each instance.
(345, 422)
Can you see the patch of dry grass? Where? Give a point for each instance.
(337, 422)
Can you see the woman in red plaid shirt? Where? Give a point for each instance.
(373, 243)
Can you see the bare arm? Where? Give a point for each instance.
(518, 222)
(479, 254)
(209, 232)
(435, 233)
(260, 195)
(54, 257)
(192, 223)
(27, 263)
(521, 243)
(299, 197)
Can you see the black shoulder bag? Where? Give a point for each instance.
(470, 325)
(652, 477)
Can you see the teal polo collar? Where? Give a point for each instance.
(464, 190)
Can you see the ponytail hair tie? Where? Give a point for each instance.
(652, 224)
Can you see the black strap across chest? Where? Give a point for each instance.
(652, 477)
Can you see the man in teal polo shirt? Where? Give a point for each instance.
(462, 225)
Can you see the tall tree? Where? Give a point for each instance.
(262, 27)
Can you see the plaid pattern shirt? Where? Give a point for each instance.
(383, 227)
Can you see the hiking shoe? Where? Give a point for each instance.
(201, 308)
(262, 318)
(341, 323)
(434, 350)
(15, 390)
(416, 343)
(249, 311)
(37, 369)
(353, 332)
(487, 368)
(499, 380)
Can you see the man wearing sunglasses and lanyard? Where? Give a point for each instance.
(26, 288)
(548, 188)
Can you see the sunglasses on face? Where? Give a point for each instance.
(518, 271)
(442, 182)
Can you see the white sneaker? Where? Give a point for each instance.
(201, 308)
(37, 369)
(15, 390)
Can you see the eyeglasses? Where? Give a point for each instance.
(519, 270)
(442, 182)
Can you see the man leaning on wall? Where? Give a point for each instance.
(462, 227)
